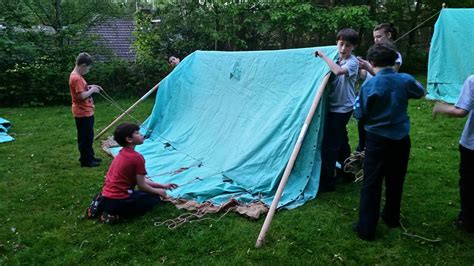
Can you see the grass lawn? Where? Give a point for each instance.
(44, 194)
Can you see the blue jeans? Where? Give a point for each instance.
(384, 159)
(361, 131)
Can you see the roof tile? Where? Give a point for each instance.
(117, 35)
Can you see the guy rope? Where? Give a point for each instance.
(419, 25)
(114, 103)
(126, 112)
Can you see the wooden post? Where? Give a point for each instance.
(291, 162)
(127, 111)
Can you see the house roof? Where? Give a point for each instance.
(117, 35)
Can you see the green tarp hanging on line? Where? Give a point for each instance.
(224, 125)
(451, 58)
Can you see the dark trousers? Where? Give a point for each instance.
(361, 131)
(335, 146)
(384, 158)
(85, 138)
(137, 204)
(466, 185)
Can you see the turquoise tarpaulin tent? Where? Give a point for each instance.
(451, 57)
(224, 125)
(4, 127)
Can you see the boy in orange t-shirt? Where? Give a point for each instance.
(83, 109)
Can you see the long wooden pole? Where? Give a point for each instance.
(291, 162)
(127, 111)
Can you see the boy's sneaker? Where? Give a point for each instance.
(95, 208)
(109, 218)
(366, 237)
(391, 223)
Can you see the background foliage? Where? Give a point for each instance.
(35, 61)
(252, 25)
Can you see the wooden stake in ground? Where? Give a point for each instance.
(291, 162)
(127, 111)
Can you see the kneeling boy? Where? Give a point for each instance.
(127, 170)
(382, 109)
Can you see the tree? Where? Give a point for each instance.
(34, 63)
(249, 25)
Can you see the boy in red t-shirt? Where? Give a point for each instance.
(83, 109)
(119, 199)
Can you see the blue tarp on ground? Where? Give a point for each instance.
(451, 57)
(4, 127)
(224, 125)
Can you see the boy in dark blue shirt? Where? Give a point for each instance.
(382, 108)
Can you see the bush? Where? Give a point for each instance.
(187, 26)
(122, 78)
(35, 68)
(415, 61)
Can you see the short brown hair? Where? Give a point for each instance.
(83, 58)
(123, 131)
(387, 27)
(382, 54)
(348, 35)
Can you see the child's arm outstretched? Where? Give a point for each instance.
(335, 68)
(149, 186)
(158, 185)
(464, 104)
(365, 68)
(448, 109)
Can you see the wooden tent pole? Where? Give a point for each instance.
(291, 162)
(127, 111)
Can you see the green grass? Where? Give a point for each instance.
(44, 193)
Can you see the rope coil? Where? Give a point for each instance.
(354, 164)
